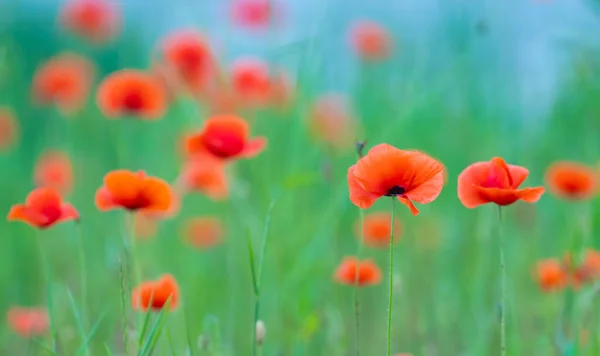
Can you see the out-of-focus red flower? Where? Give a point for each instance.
(367, 271)
(331, 121)
(225, 137)
(252, 14)
(251, 82)
(571, 180)
(54, 169)
(28, 322)
(552, 275)
(376, 229)
(189, 56)
(134, 191)
(43, 208)
(97, 21)
(206, 175)
(64, 81)
(132, 93)
(204, 232)
(9, 129)
(370, 40)
(155, 294)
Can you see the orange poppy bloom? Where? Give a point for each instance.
(43, 208)
(28, 322)
(124, 189)
(388, 171)
(205, 175)
(251, 81)
(155, 294)
(204, 232)
(495, 182)
(332, 121)
(252, 13)
(225, 137)
(145, 226)
(65, 81)
(9, 129)
(552, 275)
(190, 57)
(376, 229)
(132, 93)
(589, 270)
(54, 169)
(571, 180)
(370, 40)
(97, 21)
(367, 270)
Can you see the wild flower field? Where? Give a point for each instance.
(168, 199)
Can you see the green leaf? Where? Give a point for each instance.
(83, 347)
(156, 331)
(76, 314)
(252, 268)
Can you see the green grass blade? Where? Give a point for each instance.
(145, 324)
(188, 334)
(89, 337)
(77, 315)
(252, 268)
(45, 347)
(107, 349)
(155, 332)
(171, 344)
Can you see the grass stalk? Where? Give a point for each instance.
(391, 281)
(502, 285)
(361, 219)
(49, 299)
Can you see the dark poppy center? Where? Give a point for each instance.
(395, 190)
(133, 102)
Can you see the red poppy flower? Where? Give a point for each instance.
(190, 57)
(376, 229)
(388, 171)
(225, 137)
(552, 275)
(367, 270)
(205, 175)
(43, 208)
(155, 294)
(571, 180)
(94, 20)
(134, 93)
(9, 129)
(252, 13)
(370, 40)
(251, 81)
(495, 182)
(65, 81)
(124, 189)
(28, 322)
(54, 169)
(332, 121)
(589, 269)
(204, 232)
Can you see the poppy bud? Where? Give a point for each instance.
(261, 331)
(360, 147)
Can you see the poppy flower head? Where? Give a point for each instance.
(495, 182)
(155, 295)
(54, 169)
(9, 129)
(362, 273)
(332, 121)
(28, 322)
(253, 14)
(190, 57)
(124, 189)
(552, 275)
(376, 229)
(43, 208)
(132, 93)
(97, 21)
(571, 180)
(225, 137)
(251, 81)
(204, 232)
(388, 171)
(589, 269)
(370, 40)
(65, 81)
(205, 175)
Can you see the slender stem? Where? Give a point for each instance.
(361, 219)
(391, 277)
(49, 299)
(83, 272)
(502, 285)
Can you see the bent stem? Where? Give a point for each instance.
(391, 280)
(502, 285)
(356, 306)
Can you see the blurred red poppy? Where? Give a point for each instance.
(370, 40)
(28, 322)
(376, 229)
(156, 294)
(252, 13)
(251, 82)
(331, 121)
(206, 175)
(43, 208)
(204, 232)
(189, 56)
(552, 275)
(9, 129)
(367, 270)
(97, 21)
(571, 180)
(54, 169)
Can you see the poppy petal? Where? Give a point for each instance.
(406, 201)
(469, 196)
(123, 185)
(26, 214)
(530, 195)
(428, 191)
(508, 196)
(104, 200)
(68, 212)
(18, 212)
(254, 147)
(518, 175)
(158, 193)
(382, 168)
(358, 195)
(43, 197)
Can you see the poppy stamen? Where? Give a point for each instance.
(395, 191)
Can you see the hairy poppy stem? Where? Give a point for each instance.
(356, 306)
(502, 285)
(391, 277)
